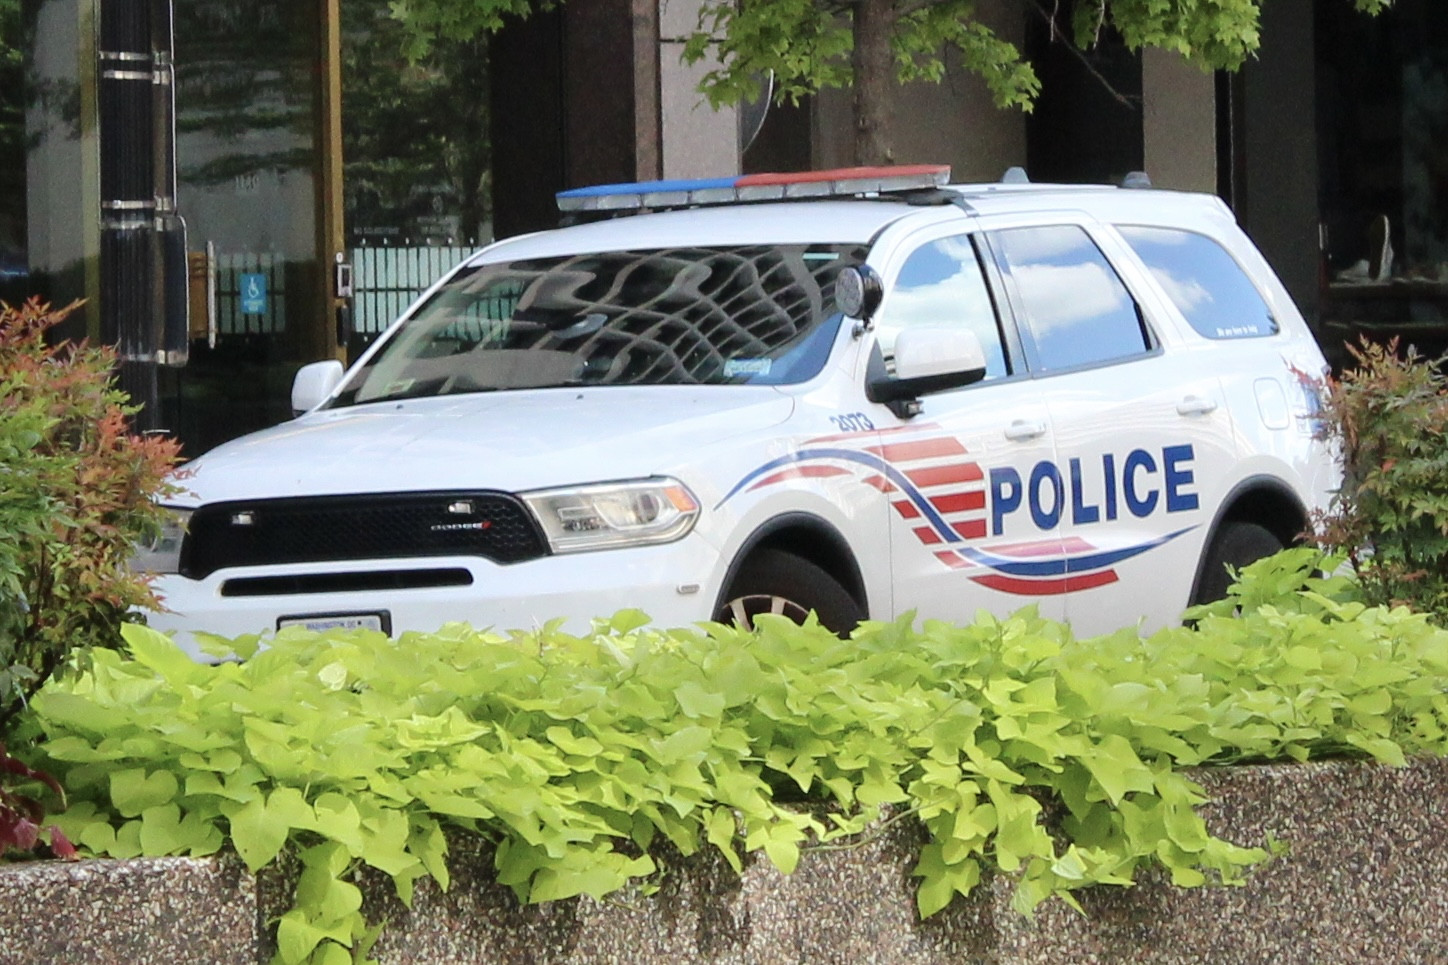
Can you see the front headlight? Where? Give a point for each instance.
(162, 552)
(614, 514)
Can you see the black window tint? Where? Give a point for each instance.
(1077, 310)
(1206, 284)
(941, 284)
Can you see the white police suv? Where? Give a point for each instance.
(858, 392)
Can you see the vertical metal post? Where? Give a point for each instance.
(143, 247)
(128, 201)
(331, 341)
(172, 272)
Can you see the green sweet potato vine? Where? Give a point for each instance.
(1024, 752)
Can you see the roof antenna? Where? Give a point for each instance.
(1015, 175)
(1136, 179)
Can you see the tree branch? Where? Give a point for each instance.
(1059, 36)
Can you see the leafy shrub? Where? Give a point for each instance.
(1389, 415)
(75, 495)
(1050, 760)
(21, 813)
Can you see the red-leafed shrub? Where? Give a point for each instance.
(76, 496)
(1389, 415)
(21, 814)
(76, 490)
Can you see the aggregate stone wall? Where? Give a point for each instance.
(1365, 880)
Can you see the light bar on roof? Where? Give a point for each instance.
(837, 183)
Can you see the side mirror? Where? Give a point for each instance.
(858, 291)
(926, 360)
(313, 384)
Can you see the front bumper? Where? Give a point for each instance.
(675, 584)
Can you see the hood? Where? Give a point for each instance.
(511, 441)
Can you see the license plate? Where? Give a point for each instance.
(338, 621)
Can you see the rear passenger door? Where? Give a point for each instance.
(1144, 442)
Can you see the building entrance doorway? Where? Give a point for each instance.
(251, 149)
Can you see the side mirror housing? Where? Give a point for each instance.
(313, 384)
(926, 360)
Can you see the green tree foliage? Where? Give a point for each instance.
(809, 45)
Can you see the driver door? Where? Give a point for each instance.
(963, 534)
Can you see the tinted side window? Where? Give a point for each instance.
(941, 284)
(1207, 285)
(1077, 311)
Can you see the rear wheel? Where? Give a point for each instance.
(1235, 545)
(772, 581)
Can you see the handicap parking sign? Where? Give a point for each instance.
(253, 294)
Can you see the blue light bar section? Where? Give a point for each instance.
(648, 187)
(678, 193)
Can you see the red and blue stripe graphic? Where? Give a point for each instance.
(939, 491)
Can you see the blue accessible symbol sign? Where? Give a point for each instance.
(253, 294)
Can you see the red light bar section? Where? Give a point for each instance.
(938, 174)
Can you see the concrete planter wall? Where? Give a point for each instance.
(1366, 880)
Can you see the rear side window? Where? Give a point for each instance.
(1207, 285)
(1077, 311)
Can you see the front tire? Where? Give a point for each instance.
(1236, 544)
(772, 581)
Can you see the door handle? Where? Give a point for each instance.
(1024, 431)
(1196, 405)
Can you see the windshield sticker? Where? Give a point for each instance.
(734, 368)
(397, 387)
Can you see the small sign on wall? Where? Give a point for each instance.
(253, 294)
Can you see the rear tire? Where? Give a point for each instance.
(1235, 545)
(772, 581)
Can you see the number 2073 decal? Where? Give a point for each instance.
(852, 422)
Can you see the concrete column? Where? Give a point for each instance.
(697, 140)
(1179, 121)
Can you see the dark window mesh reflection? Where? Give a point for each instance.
(759, 314)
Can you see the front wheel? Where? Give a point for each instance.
(1236, 544)
(772, 581)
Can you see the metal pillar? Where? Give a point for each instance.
(143, 310)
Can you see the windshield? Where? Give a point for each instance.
(761, 314)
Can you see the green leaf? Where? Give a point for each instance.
(256, 833)
(783, 854)
(297, 936)
(134, 791)
(720, 829)
(564, 739)
(1381, 748)
(1117, 769)
(160, 653)
(695, 701)
(164, 831)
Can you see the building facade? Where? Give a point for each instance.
(180, 164)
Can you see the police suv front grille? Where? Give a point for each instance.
(268, 532)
